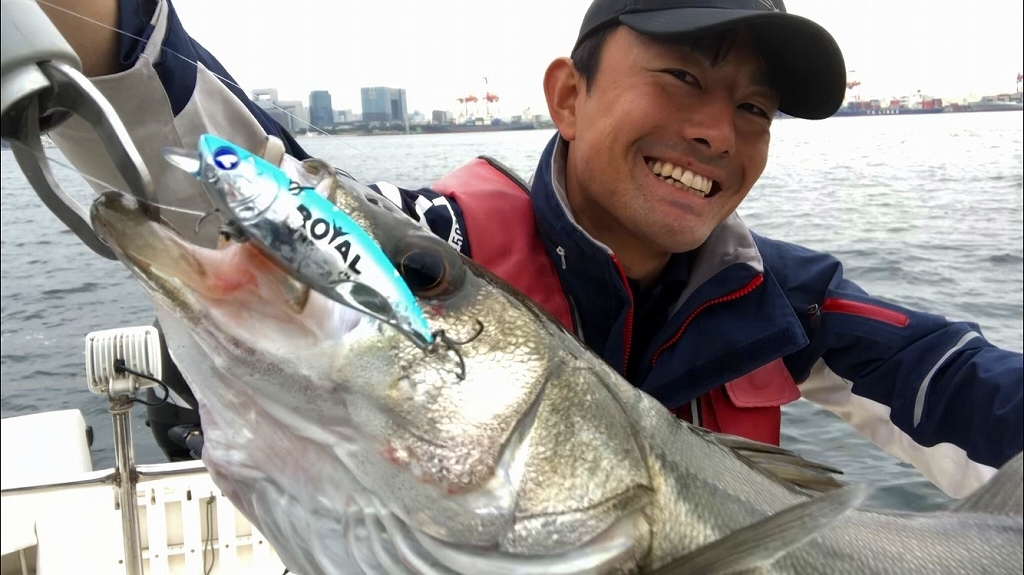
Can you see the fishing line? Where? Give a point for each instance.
(196, 65)
(103, 183)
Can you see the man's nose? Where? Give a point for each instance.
(713, 126)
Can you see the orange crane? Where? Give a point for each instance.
(465, 101)
(490, 98)
(850, 85)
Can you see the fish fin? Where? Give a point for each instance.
(187, 160)
(764, 541)
(798, 472)
(782, 464)
(1003, 494)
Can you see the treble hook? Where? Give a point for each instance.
(201, 219)
(451, 344)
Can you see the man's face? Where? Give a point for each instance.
(652, 105)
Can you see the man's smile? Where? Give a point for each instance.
(683, 179)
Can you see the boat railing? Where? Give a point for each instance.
(186, 525)
(171, 517)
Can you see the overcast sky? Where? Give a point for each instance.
(439, 50)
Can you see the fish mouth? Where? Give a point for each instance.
(236, 281)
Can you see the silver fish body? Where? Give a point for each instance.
(511, 449)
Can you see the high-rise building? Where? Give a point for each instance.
(384, 105)
(321, 114)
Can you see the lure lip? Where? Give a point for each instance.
(267, 214)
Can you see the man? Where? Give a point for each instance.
(628, 234)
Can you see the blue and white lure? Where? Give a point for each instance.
(306, 234)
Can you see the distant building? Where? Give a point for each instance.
(344, 116)
(321, 114)
(441, 117)
(298, 115)
(384, 105)
(264, 94)
(291, 114)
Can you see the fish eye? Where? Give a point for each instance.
(430, 268)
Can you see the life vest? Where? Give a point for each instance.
(503, 238)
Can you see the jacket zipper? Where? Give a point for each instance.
(751, 286)
(577, 323)
(865, 310)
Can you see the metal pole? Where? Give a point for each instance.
(127, 478)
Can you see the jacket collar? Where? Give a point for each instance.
(729, 260)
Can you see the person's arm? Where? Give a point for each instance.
(167, 90)
(96, 45)
(930, 391)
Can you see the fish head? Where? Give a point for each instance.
(434, 431)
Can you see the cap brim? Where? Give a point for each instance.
(804, 62)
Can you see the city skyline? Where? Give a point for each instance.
(442, 50)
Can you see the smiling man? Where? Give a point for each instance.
(656, 119)
(627, 232)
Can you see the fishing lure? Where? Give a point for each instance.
(302, 231)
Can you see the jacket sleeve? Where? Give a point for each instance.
(930, 391)
(169, 92)
(435, 212)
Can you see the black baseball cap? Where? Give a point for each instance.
(804, 62)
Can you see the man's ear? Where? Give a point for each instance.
(562, 85)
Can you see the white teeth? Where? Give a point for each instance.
(681, 178)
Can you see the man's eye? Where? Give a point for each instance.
(684, 76)
(755, 109)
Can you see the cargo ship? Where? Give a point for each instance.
(996, 103)
(855, 106)
(493, 126)
(895, 108)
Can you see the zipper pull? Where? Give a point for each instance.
(561, 254)
(814, 310)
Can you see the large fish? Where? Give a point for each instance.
(505, 447)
